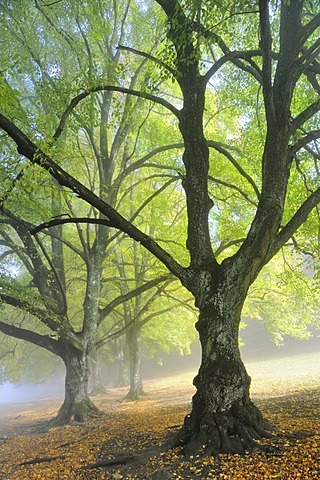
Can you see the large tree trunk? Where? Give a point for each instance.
(223, 418)
(77, 405)
(134, 345)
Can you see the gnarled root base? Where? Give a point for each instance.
(136, 394)
(231, 431)
(98, 390)
(77, 412)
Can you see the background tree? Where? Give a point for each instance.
(102, 135)
(93, 141)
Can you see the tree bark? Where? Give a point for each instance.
(134, 345)
(223, 418)
(77, 405)
(122, 360)
(97, 385)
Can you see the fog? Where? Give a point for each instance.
(258, 346)
(10, 393)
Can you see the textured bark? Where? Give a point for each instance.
(223, 418)
(77, 405)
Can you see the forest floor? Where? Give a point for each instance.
(287, 390)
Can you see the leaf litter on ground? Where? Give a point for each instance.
(293, 405)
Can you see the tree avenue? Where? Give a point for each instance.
(270, 49)
(66, 268)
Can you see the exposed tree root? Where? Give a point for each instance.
(235, 431)
(42, 460)
(69, 414)
(130, 458)
(134, 395)
(98, 390)
(109, 462)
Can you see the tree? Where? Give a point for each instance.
(41, 293)
(72, 335)
(151, 307)
(134, 266)
(223, 418)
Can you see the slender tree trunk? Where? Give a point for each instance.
(123, 364)
(97, 385)
(134, 345)
(223, 418)
(77, 405)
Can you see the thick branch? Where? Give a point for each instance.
(27, 148)
(133, 293)
(169, 6)
(43, 341)
(296, 221)
(110, 88)
(149, 57)
(62, 221)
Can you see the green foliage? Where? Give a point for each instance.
(170, 332)
(112, 143)
(286, 297)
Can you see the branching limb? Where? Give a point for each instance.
(310, 54)
(27, 148)
(309, 137)
(149, 57)
(63, 221)
(296, 221)
(133, 293)
(235, 187)
(221, 149)
(227, 244)
(33, 261)
(308, 113)
(110, 88)
(152, 196)
(141, 161)
(310, 27)
(43, 341)
(233, 56)
(59, 326)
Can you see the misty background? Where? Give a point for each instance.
(258, 346)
